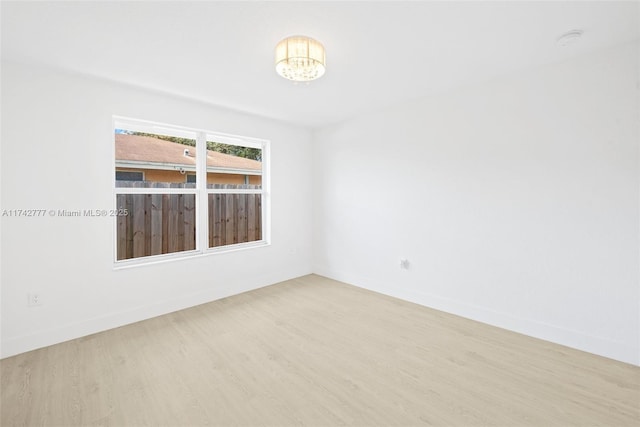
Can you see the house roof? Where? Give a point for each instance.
(145, 149)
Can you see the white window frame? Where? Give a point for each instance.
(201, 191)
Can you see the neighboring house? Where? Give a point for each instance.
(143, 158)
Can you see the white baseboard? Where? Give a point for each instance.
(574, 339)
(13, 346)
(577, 340)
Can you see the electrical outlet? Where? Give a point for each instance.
(34, 299)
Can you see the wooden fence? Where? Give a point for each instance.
(234, 218)
(165, 223)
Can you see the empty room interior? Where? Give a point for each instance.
(320, 213)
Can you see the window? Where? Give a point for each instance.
(129, 176)
(192, 192)
(235, 202)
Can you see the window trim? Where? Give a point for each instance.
(201, 191)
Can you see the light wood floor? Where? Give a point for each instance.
(312, 351)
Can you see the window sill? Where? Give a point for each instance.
(161, 259)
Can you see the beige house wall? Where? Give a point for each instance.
(156, 175)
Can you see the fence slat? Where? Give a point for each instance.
(251, 217)
(172, 232)
(165, 223)
(230, 219)
(129, 234)
(138, 225)
(121, 252)
(156, 224)
(258, 203)
(241, 221)
(221, 210)
(189, 220)
(212, 220)
(242, 218)
(147, 223)
(180, 221)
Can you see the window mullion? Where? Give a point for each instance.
(202, 226)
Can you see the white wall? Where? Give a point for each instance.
(57, 153)
(515, 202)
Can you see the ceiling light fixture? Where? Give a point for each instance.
(300, 59)
(568, 38)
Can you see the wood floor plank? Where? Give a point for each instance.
(313, 351)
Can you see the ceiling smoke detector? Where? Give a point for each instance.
(569, 38)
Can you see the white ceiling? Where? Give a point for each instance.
(378, 53)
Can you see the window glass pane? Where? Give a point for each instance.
(162, 159)
(233, 164)
(155, 224)
(234, 218)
